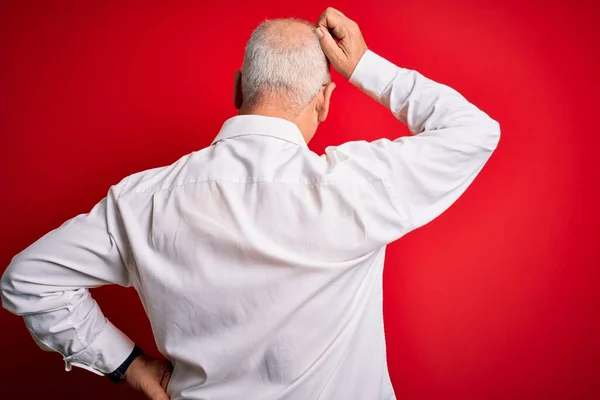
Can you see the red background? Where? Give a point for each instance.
(496, 299)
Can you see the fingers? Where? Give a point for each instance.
(149, 376)
(154, 390)
(335, 21)
(151, 388)
(165, 376)
(331, 49)
(344, 54)
(156, 393)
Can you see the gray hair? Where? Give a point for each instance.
(285, 63)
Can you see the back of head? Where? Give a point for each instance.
(284, 63)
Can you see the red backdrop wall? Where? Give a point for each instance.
(496, 299)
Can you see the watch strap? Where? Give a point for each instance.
(119, 374)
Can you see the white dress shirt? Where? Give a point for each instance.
(259, 262)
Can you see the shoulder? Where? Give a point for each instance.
(153, 180)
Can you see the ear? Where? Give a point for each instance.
(323, 107)
(238, 96)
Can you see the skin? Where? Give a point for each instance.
(286, 33)
(344, 46)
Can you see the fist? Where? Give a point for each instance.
(346, 53)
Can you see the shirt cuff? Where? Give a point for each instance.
(105, 354)
(374, 74)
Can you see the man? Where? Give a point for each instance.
(258, 262)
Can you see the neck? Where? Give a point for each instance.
(268, 110)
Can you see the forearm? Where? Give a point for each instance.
(422, 104)
(47, 284)
(68, 322)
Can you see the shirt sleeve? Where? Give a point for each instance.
(423, 174)
(47, 284)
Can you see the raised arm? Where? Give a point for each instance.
(423, 174)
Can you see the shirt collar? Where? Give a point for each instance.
(242, 125)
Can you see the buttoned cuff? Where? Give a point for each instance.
(374, 74)
(105, 354)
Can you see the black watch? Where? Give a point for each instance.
(119, 374)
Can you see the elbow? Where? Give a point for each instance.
(489, 135)
(7, 285)
(14, 286)
(495, 134)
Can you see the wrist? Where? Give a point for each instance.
(119, 374)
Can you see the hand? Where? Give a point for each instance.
(347, 52)
(149, 376)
